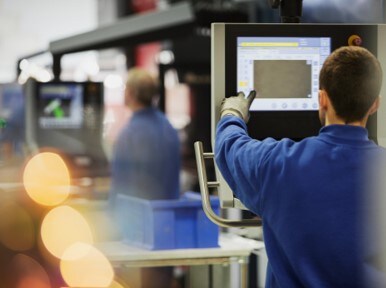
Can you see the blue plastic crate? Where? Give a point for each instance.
(166, 224)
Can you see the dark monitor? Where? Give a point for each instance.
(282, 63)
(68, 117)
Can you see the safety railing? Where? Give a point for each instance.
(204, 187)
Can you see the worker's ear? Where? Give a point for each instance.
(375, 106)
(323, 105)
(127, 97)
(323, 100)
(130, 96)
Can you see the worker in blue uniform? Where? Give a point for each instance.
(146, 155)
(146, 159)
(310, 194)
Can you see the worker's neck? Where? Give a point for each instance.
(333, 119)
(136, 107)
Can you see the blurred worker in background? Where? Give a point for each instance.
(146, 155)
(146, 158)
(311, 195)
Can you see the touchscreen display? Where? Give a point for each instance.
(284, 71)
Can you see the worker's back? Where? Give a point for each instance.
(315, 203)
(312, 197)
(146, 160)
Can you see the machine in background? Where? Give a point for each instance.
(67, 117)
(287, 106)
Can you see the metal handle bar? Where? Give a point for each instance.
(204, 187)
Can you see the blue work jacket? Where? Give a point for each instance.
(311, 196)
(146, 158)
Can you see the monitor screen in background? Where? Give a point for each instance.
(283, 70)
(12, 116)
(11, 99)
(60, 106)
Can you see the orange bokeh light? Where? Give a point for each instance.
(62, 227)
(83, 265)
(25, 272)
(46, 179)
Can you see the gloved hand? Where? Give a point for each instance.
(238, 105)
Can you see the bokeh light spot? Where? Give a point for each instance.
(47, 179)
(62, 227)
(25, 272)
(91, 269)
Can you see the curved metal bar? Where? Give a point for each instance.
(204, 187)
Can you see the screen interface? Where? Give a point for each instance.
(60, 106)
(284, 71)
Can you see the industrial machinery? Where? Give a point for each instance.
(68, 117)
(282, 62)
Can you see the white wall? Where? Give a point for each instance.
(27, 27)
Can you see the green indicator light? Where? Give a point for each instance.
(3, 123)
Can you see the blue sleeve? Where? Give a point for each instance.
(241, 160)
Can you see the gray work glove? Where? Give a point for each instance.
(238, 105)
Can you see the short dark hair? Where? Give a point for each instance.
(352, 78)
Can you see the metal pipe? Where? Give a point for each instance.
(204, 184)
